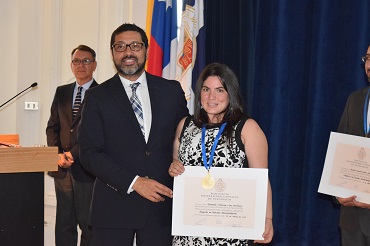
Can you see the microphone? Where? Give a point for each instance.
(33, 85)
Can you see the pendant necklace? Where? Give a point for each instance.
(208, 181)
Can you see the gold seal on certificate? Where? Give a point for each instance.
(208, 182)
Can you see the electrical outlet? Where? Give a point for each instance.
(31, 105)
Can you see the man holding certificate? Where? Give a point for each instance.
(354, 215)
(220, 135)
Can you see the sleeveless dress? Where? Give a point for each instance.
(227, 154)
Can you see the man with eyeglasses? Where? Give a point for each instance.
(126, 137)
(73, 184)
(354, 219)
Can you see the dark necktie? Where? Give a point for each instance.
(77, 103)
(136, 106)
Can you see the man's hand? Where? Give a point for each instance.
(348, 201)
(151, 189)
(361, 204)
(65, 160)
(69, 157)
(351, 202)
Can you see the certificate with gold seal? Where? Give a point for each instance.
(346, 169)
(235, 207)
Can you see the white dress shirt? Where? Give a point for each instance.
(143, 95)
(85, 87)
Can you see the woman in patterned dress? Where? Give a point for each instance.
(242, 143)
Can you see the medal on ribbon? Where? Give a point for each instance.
(208, 181)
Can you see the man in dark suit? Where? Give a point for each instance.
(73, 184)
(355, 216)
(129, 150)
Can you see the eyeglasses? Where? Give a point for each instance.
(133, 46)
(84, 62)
(365, 59)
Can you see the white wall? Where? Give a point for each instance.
(37, 37)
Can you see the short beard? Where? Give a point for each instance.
(132, 71)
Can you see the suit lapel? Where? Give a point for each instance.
(154, 95)
(363, 112)
(67, 102)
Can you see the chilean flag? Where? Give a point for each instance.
(162, 26)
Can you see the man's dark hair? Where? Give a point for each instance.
(85, 48)
(129, 27)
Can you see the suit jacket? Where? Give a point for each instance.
(62, 132)
(113, 148)
(352, 122)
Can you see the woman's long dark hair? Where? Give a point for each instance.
(234, 111)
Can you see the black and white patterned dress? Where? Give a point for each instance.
(227, 154)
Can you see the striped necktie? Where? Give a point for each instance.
(77, 103)
(136, 106)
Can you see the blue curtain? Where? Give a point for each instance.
(297, 61)
(230, 39)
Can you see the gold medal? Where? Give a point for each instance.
(208, 182)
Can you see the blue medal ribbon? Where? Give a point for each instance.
(208, 164)
(366, 105)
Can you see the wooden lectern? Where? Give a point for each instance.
(22, 191)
